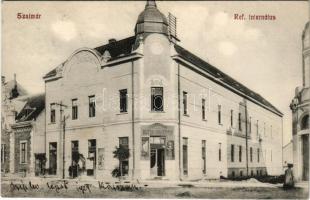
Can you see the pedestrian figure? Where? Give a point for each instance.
(288, 177)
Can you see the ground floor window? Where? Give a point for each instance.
(23, 152)
(3, 149)
(185, 156)
(91, 157)
(203, 156)
(53, 158)
(124, 164)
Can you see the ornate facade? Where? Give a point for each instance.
(300, 107)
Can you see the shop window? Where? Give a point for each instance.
(251, 154)
(220, 152)
(240, 153)
(124, 142)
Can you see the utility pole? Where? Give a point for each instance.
(63, 123)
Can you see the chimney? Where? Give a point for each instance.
(112, 40)
(15, 82)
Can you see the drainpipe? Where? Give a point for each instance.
(132, 120)
(179, 123)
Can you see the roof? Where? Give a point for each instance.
(215, 72)
(116, 49)
(33, 107)
(10, 85)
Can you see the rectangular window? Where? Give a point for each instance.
(258, 155)
(74, 109)
(251, 154)
(92, 106)
(232, 153)
(91, 157)
(23, 152)
(231, 118)
(250, 125)
(53, 158)
(203, 108)
(203, 156)
(257, 128)
(184, 103)
(3, 149)
(219, 116)
(157, 99)
(239, 122)
(124, 164)
(240, 153)
(220, 151)
(123, 100)
(53, 112)
(185, 160)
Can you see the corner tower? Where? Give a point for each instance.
(151, 20)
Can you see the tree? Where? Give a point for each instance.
(122, 154)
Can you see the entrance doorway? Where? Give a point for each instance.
(53, 158)
(157, 160)
(305, 157)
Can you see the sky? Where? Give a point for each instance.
(266, 56)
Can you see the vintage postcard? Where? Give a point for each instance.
(155, 99)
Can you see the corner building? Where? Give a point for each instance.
(300, 107)
(180, 117)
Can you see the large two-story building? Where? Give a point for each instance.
(179, 116)
(301, 109)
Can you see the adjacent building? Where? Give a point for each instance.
(12, 94)
(300, 107)
(180, 117)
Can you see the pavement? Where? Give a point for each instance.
(158, 183)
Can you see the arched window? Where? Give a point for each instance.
(305, 122)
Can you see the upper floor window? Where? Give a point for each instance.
(53, 112)
(250, 125)
(123, 100)
(184, 103)
(157, 99)
(257, 154)
(92, 106)
(239, 122)
(219, 114)
(231, 118)
(23, 152)
(305, 122)
(74, 109)
(203, 108)
(240, 153)
(123, 141)
(232, 153)
(257, 128)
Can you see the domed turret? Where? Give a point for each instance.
(151, 20)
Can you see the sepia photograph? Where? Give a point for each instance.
(155, 99)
